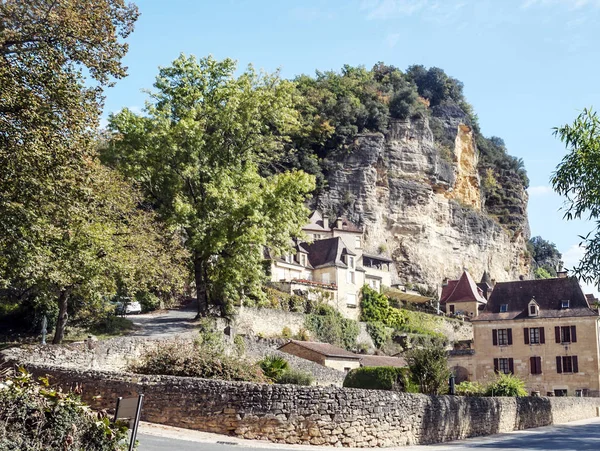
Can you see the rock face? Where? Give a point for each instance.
(421, 203)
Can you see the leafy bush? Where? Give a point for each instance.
(148, 301)
(380, 333)
(506, 385)
(330, 326)
(286, 332)
(378, 378)
(295, 377)
(273, 366)
(429, 368)
(192, 360)
(375, 308)
(34, 416)
(467, 388)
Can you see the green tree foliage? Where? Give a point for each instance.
(429, 368)
(198, 154)
(506, 385)
(468, 388)
(576, 178)
(434, 85)
(295, 377)
(273, 366)
(542, 273)
(375, 308)
(34, 416)
(330, 326)
(379, 378)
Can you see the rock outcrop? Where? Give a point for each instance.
(421, 202)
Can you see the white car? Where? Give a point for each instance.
(127, 308)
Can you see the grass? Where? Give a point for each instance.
(113, 326)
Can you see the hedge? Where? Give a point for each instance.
(378, 378)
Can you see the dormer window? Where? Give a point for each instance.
(534, 308)
(564, 304)
(503, 308)
(357, 242)
(303, 259)
(350, 262)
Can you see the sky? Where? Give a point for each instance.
(527, 65)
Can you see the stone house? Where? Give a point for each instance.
(465, 297)
(337, 358)
(333, 263)
(543, 331)
(323, 354)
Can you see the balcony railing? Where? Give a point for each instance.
(315, 282)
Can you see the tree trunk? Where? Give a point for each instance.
(63, 302)
(201, 287)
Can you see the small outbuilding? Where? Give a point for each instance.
(323, 354)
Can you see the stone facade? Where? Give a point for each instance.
(318, 416)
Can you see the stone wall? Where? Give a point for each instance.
(319, 415)
(267, 322)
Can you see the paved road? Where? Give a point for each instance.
(171, 322)
(578, 436)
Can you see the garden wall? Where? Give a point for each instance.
(319, 415)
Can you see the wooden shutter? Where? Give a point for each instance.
(511, 366)
(542, 337)
(557, 333)
(526, 335)
(575, 363)
(496, 365)
(509, 336)
(495, 337)
(558, 364)
(573, 334)
(539, 365)
(532, 367)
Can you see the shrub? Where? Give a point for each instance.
(379, 333)
(429, 368)
(295, 377)
(148, 301)
(34, 416)
(240, 344)
(467, 388)
(273, 366)
(286, 332)
(194, 361)
(330, 326)
(378, 378)
(506, 385)
(376, 308)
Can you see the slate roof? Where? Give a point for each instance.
(327, 252)
(462, 290)
(382, 360)
(547, 293)
(324, 349)
(347, 226)
(377, 257)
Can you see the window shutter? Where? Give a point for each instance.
(511, 366)
(575, 364)
(509, 336)
(573, 334)
(557, 333)
(495, 337)
(496, 365)
(542, 337)
(539, 365)
(558, 364)
(532, 366)
(526, 335)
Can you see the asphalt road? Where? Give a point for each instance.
(171, 322)
(578, 436)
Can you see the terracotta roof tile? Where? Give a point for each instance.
(382, 360)
(462, 290)
(323, 348)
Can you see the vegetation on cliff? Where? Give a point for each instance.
(546, 257)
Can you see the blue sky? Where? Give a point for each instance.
(527, 65)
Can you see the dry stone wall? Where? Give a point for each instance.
(318, 415)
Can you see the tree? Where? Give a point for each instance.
(576, 178)
(429, 368)
(546, 257)
(199, 152)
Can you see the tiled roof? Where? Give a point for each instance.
(347, 226)
(462, 290)
(327, 252)
(380, 258)
(382, 360)
(547, 293)
(324, 349)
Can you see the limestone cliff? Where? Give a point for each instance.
(422, 204)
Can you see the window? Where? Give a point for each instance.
(350, 277)
(452, 309)
(560, 392)
(347, 369)
(502, 337)
(504, 365)
(351, 298)
(565, 334)
(535, 365)
(533, 310)
(534, 335)
(316, 236)
(289, 258)
(374, 284)
(567, 364)
(564, 304)
(357, 242)
(303, 259)
(351, 262)
(503, 308)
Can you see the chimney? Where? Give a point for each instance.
(521, 277)
(445, 282)
(562, 274)
(338, 223)
(325, 223)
